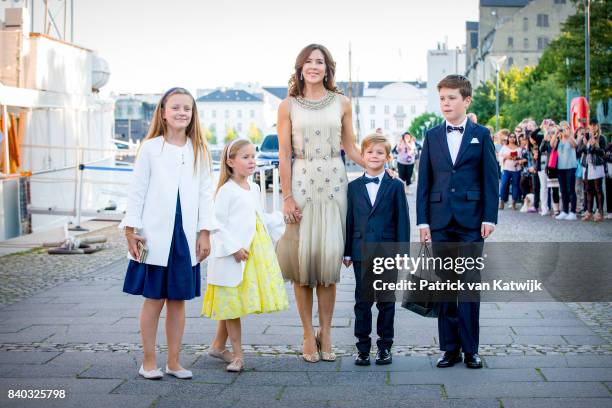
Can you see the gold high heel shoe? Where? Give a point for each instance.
(312, 357)
(325, 356)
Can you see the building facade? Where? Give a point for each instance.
(520, 30)
(440, 63)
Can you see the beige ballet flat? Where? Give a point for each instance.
(325, 356)
(224, 354)
(236, 366)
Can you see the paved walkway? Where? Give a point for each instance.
(72, 328)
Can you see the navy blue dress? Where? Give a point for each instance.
(177, 281)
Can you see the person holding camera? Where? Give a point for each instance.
(511, 156)
(565, 144)
(591, 153)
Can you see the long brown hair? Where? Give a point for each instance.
(194, 131)
(229, 152)
(296, 83)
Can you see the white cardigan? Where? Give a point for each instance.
(235, 212)
(163, 170)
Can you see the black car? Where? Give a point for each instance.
(267, 155)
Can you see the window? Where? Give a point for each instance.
(386, 109)
(559, 1)
(399, 109)
(474, 40)
(252, 113)
(542, 42)
(400, 123)
(526, 61)
(239, 126)
(213, 127)
(525, 23)
(372, 109)
(510, 42)
(372, 124)
(357, 109)
(413, 109)
(510, 61)
(239, 113)
(214, 113)
(386, 123)
(542, 20)
(226, 113)
(525, 43)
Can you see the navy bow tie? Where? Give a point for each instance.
(451, 128)
(374, 180)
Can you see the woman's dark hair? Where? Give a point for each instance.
(296, 82)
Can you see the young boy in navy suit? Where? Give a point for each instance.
(457, 202)
(377, 213)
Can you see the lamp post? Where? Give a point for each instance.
(587, 49)
(497, 63)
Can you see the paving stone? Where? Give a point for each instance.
(41, 371)
(84, 400)
(72, 386)
(583, 339)
(360, 392)
(529, 389)
(578, 374)
(365, 378)
(524, 361)
(400, 363)
(588, 361)
(31, 357)
(518, 339)
(557, 402)
(549, 330)
(274, 378)
(462, 375)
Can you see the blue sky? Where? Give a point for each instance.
(154, 44)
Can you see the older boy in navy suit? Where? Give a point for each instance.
(457, 202)
(377, 213)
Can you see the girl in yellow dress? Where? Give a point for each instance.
(243, 274)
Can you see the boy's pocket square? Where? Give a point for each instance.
(474, 140)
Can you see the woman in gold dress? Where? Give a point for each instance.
(312, 123)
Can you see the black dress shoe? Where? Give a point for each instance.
(449, 359)
(383, 356)
(362, 359)
(472, 360)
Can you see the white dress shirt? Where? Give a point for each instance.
(373, 187)
(454, 139)
(454, 143)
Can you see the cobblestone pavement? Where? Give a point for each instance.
(67, 325)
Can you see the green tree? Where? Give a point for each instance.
(415, 125)
(209, 135)
(255, 134)
(536, 99)
(565, 55)
(230, 134)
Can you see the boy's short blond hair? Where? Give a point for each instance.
(375, 139)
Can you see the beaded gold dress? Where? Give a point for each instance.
(310, 253)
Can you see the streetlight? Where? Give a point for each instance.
(587, 49)
(497, 63)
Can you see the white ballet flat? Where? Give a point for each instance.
(152, 374)
(180, 374)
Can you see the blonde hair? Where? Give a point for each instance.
(229, 152)
(194, 131)
(373, 139)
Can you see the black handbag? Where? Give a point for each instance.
(422, 302)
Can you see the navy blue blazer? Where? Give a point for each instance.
(466, 190)
(385, 221)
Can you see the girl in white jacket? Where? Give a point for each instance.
(243, 273)
(167, 224)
